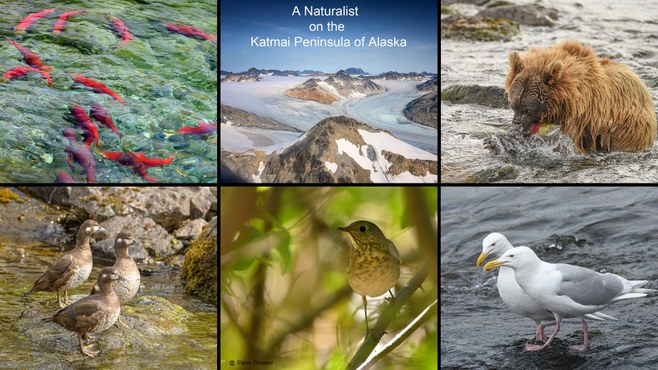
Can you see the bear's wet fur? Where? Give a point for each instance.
(600, 104)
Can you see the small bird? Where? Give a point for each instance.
(125, 267)
(92, 314)
(374, 262)
(72, 268)
(126, 288)
(566, 290)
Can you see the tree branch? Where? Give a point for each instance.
(388, 315)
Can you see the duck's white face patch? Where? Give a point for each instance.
(88, 229)
(120, 240)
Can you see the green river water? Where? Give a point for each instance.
(166, 79)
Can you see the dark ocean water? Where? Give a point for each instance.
(607, 229)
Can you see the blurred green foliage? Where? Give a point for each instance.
(283, 272)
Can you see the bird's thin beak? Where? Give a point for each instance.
(482, 257)
(493, 264)
(343, 229)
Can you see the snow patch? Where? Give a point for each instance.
(379, 168)
(382, 140)
(359, 154)
(331, 166)
(406, 176)
(328, 87)
(357, 95)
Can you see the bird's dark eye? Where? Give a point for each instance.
(511, 255)
(493, 244)
(362, 228)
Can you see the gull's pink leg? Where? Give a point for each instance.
(582, 347)
(534, 347)
(539, 335)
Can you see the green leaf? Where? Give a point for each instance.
(283, 248)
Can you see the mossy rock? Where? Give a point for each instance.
(200, 266)
(6, 196)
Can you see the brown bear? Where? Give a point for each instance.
(600, 104)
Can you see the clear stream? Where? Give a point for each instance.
(167, 81)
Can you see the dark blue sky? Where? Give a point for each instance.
(415, 21)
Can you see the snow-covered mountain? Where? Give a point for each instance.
(336, 150)
(333, 87)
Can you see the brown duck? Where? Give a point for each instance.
(92, 314)
(72, 268)
(125, 267)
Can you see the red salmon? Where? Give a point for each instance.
(30, 57)
(131, 159)
(100, 114)
(81, 154)
(97, 86)
(27, 21)
(201, 128)
(61, 21)
(63, 177)
(121, 30)
(21, 71)
(83, 121)
(190, 31)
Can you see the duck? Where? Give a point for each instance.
(72, 268)
(127, 288)
(92, 314)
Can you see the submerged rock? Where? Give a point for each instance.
(149, 317)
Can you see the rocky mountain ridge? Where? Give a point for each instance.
(337, 150)
(334, 87)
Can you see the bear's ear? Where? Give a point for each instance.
(515, 62)
(552, 76)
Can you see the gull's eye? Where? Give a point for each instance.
(363, 228)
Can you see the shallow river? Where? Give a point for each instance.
(604, 229)
(624, 31)
(21, 264)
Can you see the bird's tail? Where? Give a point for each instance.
(635, 290)
(600, 316)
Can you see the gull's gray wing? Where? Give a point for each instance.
(587, 287)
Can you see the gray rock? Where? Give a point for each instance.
(190, 229)
(401, 76)
(241, 118)
(429, 85)
(168, 206)
(240, 78)
(424, 110)
(529, 14)
(152, 241)
(491, 96)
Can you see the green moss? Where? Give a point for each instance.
(200, 267)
